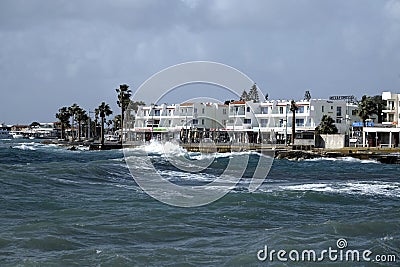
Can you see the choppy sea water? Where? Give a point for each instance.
(83, 208)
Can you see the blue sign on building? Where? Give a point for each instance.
(360, 124)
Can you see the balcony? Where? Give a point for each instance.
(389, 110)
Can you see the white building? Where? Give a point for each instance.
(254, 122)
(392, 112)
(275, 116)
(388, 134)
(172, 121)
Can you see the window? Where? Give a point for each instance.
(299, 122)
(195, 110)
(280, 110)
(195, 121)
(202, 110)
(224, 111)
(339, 111)
(281, 123)
(300, 109)
(323, 109)
(202, 121)
(157, 112)
(169, 122)
(248, 109)
(354, 112)
(391, 105)
(263, 122)
(247, 121)
(331, 107)
(169, 112)
(264, 110)
(338, 120)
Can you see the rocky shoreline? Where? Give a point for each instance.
(380, 156)
(390, 156)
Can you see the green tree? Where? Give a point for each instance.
(104, 111)
(380, 105)
(244, 96)
(63, 116)
(293, 109)
(135, 105)
(307, 95)
(73, 109)
(253, 94)
(327, 126)
(80, 115)
(366, 108)
(96, 122)
(124, 94)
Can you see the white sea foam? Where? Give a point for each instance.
(345, 159)
(373, 188)
(24, 147)
(82, 148)
(173, 148)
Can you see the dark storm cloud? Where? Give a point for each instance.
(55, 53)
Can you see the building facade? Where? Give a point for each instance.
(391, 113)
(388, 133)
(239, 121)
(275, 116)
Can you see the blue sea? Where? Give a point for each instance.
(83, 208)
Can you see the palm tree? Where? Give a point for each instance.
(96, 122)
(72, 110)
(124, 94)
(327, 126)
(366, 108)
(104, 110)
(293, 109)
(80, 116)
(63, 115)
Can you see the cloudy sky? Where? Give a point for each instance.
(57, 52)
